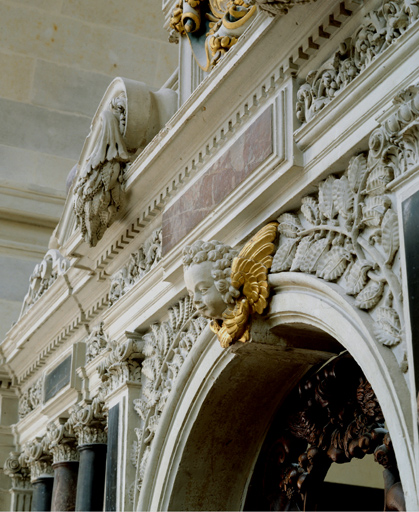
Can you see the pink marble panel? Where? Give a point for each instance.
(234, 166)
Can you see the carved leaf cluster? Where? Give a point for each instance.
(96, 343)
(348, 233)
(378, 30)
(140, 263)
(165, 349)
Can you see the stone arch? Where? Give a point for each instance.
(205, 448)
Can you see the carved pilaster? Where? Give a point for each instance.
(89, 423)
(62, 443)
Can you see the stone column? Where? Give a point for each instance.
(39, 460)
(16, 468)
(62, 444)
(89, 423)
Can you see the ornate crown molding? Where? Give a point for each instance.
(29, 400)
(129, 116)
(39, 458)
(43, 276)
(61, 442)
(165, 349)
(140, 263)
(214, 26)
(88, 422)
(378, 30)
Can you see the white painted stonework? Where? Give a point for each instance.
(107, 323)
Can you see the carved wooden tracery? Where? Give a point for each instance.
(332, 417)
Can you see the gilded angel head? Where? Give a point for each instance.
(207, 271)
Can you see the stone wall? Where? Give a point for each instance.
(57, 59)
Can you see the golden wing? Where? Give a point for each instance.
(249, 275)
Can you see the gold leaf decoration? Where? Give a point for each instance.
(334, 264)
(390, 235)
(326, 200)
(387, 328)
(370, 295)
(289, 225)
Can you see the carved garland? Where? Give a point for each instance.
(378, 30)
(140, 263)
(165, 349)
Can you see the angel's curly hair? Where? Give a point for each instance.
(221, 256)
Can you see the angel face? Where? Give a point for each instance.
(201, 287)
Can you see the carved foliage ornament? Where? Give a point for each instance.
(164, 349)
(378, 30)
(43, 276)
(16, 468)
(88, 421)
(96, 343)
(61, 442)
(38, 458)
(214, 26)
(140, 263)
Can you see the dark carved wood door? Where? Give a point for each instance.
(331, 418)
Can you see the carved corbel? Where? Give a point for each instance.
(38, 458)
(43, 276)
(96, 343)
(61, 442)
(129, 116)
(89, 423)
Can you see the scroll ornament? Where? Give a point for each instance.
(214, 26)
(228, 287)
(377, 32)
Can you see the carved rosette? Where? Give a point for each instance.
(96, 343)
(165, 348)
(89, 423)
(62, 442)
(214, 26)
(378, 30)
(140, 263)
(39, 458)
(43, 276)
(16, 468)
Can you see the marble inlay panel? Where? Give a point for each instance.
(232, 168)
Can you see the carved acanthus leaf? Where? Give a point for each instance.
(96, 343)
(16, 468)
(61, 442)
(39, 458)
(88, 422)
(31, 398)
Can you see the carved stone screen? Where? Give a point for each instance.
(411, 237)
(57, 378)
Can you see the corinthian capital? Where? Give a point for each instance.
(89, 423)
(38, 458)
(62, 442)
(16, 468)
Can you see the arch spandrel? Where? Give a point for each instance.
(208, 440)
